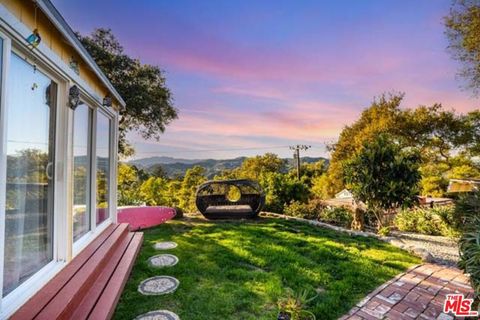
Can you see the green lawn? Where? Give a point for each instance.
(239, 270)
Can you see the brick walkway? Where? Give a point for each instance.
(417, 294)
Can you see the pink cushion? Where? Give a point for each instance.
(144, 217)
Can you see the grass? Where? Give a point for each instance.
(241, 269)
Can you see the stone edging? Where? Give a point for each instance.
(419, 252)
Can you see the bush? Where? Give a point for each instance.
(468, 208)
(432, 221)
(178, 213)
(384, 231)
(316, 210)
(281, 189)
(339, 216)
(309, 210)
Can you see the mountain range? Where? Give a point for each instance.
(177, 167)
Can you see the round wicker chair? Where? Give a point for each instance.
(230, 199)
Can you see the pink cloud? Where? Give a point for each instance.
(255, 92)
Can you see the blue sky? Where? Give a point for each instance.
(250, 77)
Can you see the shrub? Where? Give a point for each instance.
(310, 210)
(468, 208)
(384, 231)
(339, 216)
(432, 221)
(178, 213)
(281, 189)
(294, 305)
(316, 210)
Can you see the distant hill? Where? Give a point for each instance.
(177, 167)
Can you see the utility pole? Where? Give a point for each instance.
(296, 155)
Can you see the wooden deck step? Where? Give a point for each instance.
(38, 301)
(106, 304)
(83, 308)
(82, 281)
(77, 290)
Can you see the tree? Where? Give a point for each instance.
(383, 176)
(128, 185)
(463, 32)
(158, 171)
(154, 191)
(440, 135)
(379, 118)
(281, 189)
(149, 102)
(472, 132)
(253, 167)
(194, 177)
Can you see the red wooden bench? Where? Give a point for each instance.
(91, 284)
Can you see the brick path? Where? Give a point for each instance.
(417, 294)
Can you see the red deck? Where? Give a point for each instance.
(144, 217)
(91, 284)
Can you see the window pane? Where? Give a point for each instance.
(103, 166)
(81, 167)
(29, 186)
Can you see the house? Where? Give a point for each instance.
(463, 185)
(344, 194)
(58, 158)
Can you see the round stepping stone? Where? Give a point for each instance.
(163, 260)
(158, 315)
(158, 285)
(165, 245)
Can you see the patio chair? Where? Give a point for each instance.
(230, 199)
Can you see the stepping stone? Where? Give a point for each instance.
(158, 315)
(163, 260)
(165, 245)
(158, 285)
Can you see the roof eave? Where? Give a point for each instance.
(56, 18)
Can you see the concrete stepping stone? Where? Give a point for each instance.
(165, 245)
(158, 315)
(163, 260)
(158, 285)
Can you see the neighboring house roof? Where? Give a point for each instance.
(344, 202)
(56, 18)
(434, 200)
(344, 194)
(463, 185)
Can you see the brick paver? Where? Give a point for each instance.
(419, 293)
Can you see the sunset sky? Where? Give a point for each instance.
(250, 77)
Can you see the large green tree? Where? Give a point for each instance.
(463, 32)
(149, 101)
(383, 175)
(446, 140)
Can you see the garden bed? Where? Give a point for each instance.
(241, 269)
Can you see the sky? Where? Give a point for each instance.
(250, 77)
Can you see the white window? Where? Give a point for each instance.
(30, 150)
(103, 165)
(82, 128)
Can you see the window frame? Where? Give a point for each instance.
(110, 118)
(79, 243)
(4, 61)
(20, 294)
(95, 229)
